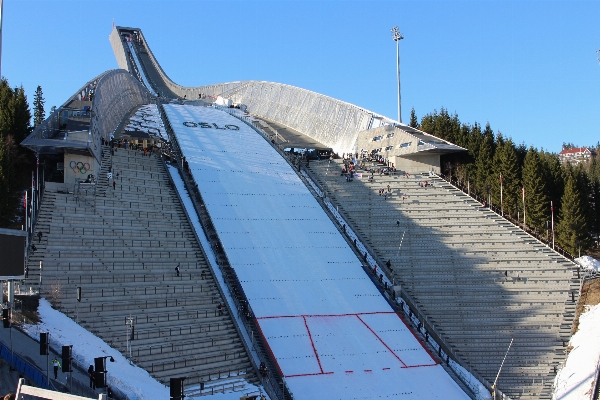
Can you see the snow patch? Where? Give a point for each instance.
(576, 380)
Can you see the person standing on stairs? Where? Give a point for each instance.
(56, 364)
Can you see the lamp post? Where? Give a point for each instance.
(100, 371)
(397, 37)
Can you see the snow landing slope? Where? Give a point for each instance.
(332, 333)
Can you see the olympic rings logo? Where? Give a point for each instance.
(80, 167)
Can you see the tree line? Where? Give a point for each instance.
(16, 162)
(492, 160)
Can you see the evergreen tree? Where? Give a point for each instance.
(594, 176)
(511, 182)
(38, 107)
(413, 119)
(14, 127)
(483, 164)
(537, 205)
(52, 109)
(572, 228)
(21, 115)
(555, 182)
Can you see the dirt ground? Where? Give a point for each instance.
(590, 295)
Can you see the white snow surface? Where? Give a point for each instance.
(147, 119)
(576, 379)
(588, 263)
(133, 381)
(330, 330)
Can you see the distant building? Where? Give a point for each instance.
(576, 155)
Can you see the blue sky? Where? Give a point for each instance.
(529, 68)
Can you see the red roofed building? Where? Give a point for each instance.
(576, 155)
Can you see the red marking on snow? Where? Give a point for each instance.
(313, 374)
(349, 372)
(312, 343)
(381, 340)
(385, 369)
(269, 348)
(368, 370)
(422, 345)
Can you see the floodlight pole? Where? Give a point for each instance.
(397, 37)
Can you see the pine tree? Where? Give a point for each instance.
(38, 107)
(594, 176)
(511, 172)
(483, 163)
(572, 228)
(21, 115)
(413, 119)
(537, 205)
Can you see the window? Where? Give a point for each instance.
(389, 148)
(390, 135)
(407, 144)
(421, 143)
(377, 138)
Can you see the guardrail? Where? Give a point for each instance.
(507, 217)
(32, 372)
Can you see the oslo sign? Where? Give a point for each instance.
(210, 126)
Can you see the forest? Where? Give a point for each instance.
(529, 177)
(16, 162)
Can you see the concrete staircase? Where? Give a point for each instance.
(480, 280)
(121, 246)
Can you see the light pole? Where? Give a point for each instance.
(552, 211)
(397, 37)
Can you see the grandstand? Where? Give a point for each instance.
(286, 247)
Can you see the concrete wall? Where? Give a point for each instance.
(118, 49)
(417, 163)
(73, 163)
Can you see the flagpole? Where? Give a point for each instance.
(552, 210)
(26, 222)
(37, 173)
(501, 203)
(524, 219)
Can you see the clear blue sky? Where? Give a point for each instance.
(529, 68)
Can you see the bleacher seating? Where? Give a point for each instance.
(479, 279)
(121, 246)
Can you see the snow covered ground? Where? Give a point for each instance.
(133, 381)
(577, 379)
(330, 330)
(147, 119)
(588, 263)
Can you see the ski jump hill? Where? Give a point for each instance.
(282, 279)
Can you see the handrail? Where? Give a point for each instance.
(508, 218)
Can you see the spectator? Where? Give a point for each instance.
(91, 374)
